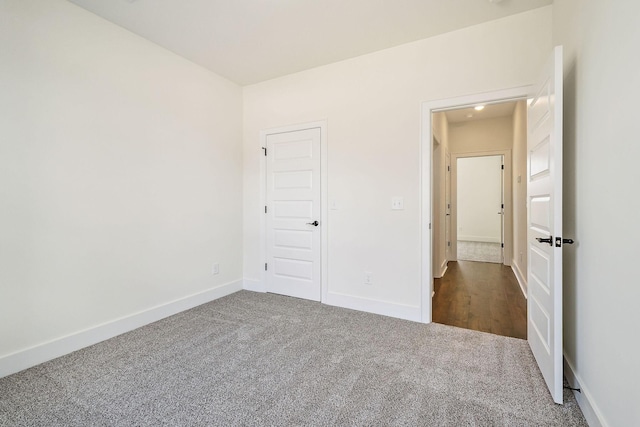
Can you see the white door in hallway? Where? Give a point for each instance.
(479, 208)
(293, 214)
(447, 207)
(544, 221)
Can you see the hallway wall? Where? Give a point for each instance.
(441, 132)
(519, 189)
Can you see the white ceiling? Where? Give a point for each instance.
(248, 41)
(490, 111)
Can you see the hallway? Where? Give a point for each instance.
(481, 296)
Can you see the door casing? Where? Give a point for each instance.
(448, 205)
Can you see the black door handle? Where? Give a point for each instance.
(314, 223)
(543, 240)
(560, 241)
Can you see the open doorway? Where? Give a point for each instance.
(541, 180)
(478, 206)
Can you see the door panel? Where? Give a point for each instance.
(290, 180)
(544, 200)
(293, 204)
(292, 209)
(296, 239)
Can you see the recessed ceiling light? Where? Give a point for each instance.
(479, 107)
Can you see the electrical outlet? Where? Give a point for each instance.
(368, 278)
(397, 203)
(215, 269)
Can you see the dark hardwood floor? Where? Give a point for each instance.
(481, 296)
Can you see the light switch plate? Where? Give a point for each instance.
(397, 203)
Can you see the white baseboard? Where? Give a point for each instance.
(254, 285)
(374, 306)
(584, 398)
(522, 280)
(23, 359)
(354, 303)
(442, 270)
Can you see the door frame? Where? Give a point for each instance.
(448, 252)
(426, 181)
(324, 212)
(507, 196)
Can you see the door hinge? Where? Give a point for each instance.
(265, 150)
(265, 209)
(502, 167)
(429, 226)
(448, 243)
(448, 168)
(265, 266)
(503, 206)
(502, 245)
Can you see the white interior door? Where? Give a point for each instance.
(501, 211)
(293, 214)
(544, 221)
(447, 206)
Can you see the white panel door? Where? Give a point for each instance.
(479, 190)
(544, 221)
(447, 206)
(293, 214)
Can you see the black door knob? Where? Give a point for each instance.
(314, 223)
(542, 240)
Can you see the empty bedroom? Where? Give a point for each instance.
(228, 212)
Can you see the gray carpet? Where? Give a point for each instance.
(479, 251)
(261, 359)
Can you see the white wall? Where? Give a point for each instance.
(120, 174)
(441, 133)
(372, 104)
(519, 189)
(481, 135)
(601, 203)
(479, 193)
